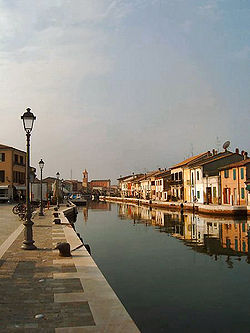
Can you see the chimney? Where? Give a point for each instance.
(216, 151)
(159, 169)
(242, 152)
(237, 151)
(245, 155)
(213, 151)
(209, 153)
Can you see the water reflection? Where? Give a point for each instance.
(95, 205)
(229, 238)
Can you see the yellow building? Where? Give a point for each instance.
(12, 172)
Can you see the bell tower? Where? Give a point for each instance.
(85, 179)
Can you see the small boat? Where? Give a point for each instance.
(78, 200)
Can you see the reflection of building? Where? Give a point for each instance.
(99, 205)
(95, 205)
(234, 236)
(12, 172)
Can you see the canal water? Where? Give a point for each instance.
(172, 272)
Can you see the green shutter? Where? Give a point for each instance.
(242, 193)
(234, 174)
(242, 173)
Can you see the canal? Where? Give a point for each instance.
(172, 272)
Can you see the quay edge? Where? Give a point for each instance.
(108, 312)
(215, 210)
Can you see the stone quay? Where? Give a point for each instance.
(42, 291)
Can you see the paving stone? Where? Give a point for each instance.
(27, 286)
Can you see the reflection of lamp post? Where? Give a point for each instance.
(28, 121)
(57, 189)
(41, 165)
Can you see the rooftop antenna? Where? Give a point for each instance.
(192, 149)
(226, 145)
(218, 143)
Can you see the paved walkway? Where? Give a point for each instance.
(8, 222)
(67, 294)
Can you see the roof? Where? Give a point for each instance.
(100, 180)
(134, 176)
(11, 148)
(236, 164)
(212, 158)
(122, 178)
(49, 178)
(163, 173)
(188, 160)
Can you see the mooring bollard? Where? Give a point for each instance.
(64, 249)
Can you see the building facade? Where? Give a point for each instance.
(234, 178)
(12, 173)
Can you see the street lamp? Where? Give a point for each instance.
(28, 119)
(62, 181)
(41, 165)
(57, 189)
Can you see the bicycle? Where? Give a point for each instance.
(18, 208)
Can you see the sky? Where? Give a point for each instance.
(122, 86)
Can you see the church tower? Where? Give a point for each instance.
(85, 179)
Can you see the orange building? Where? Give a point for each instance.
(12, 172)
(233, 182)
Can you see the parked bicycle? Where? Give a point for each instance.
(20, 208)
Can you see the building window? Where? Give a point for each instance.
(214, 192)
(176, 176)
(180, 175)
(234, 174)
(198, 175)
(242, 173)
(198, 194)
(226, 173)
(242, 193)
(244, 246)
(236, 244)
(21, 160)
(2, 176)
(2, 157)
(192, 178)
(16, 158)
(228, 243)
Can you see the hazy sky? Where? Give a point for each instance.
(121, 86)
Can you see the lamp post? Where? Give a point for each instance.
(62, 190)
(57, 189)
(41, 165)
(28, 121)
